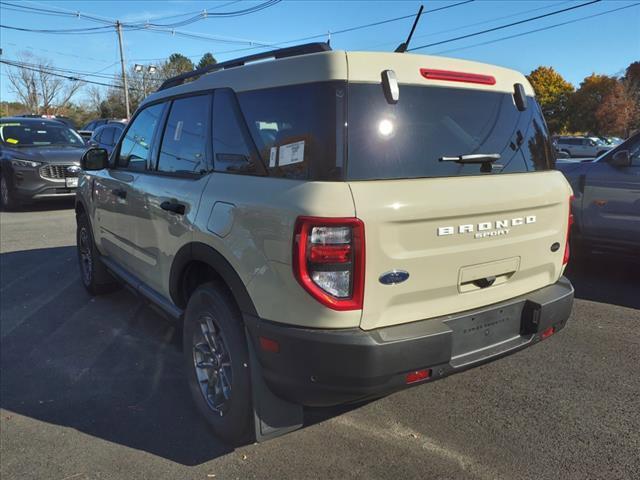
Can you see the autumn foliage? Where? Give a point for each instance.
(602, 105)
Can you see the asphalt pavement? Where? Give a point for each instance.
(93, 388)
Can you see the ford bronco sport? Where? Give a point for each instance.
(332, 226)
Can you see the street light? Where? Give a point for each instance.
(137, 68)
(152, 69)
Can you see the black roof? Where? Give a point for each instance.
(19, 119)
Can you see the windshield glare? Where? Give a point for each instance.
(34, 135)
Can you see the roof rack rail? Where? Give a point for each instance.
(238, 62)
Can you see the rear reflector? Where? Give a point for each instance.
(567, 252)
(269, 345)
(548, 332)
(417, 376)
(447, 75)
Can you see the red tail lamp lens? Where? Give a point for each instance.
(464, 77)
(417, 376)
(328, 260)
(269, 345)
(547, 332)
(330, 253)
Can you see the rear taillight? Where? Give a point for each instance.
(567, 252)
(328, 260)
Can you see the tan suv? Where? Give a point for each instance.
(332, 226)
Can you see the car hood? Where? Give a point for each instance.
(57, 154)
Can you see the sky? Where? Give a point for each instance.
(604, 44)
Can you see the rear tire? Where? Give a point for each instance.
(7, 198)
(94, 275)
(216, 360)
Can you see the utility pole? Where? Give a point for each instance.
(124, 71)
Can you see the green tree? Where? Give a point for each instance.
(206, 60)
(176, 65)
(553, 93)
(584, 104)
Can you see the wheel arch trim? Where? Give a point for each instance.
(197, 251)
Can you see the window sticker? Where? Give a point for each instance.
(178, 133)
(291, 153)
(272, 157)
(12, 140)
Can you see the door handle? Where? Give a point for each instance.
(174, 207)
(119, 192)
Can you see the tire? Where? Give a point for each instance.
(7, 198)
(213, 338)
(94, 275)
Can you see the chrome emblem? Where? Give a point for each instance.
(487, 229)
(393, 277)
(73, 169)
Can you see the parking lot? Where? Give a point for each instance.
(93, 388)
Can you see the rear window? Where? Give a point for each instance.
(408, 139)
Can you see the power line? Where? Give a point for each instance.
(520, 22)
(549, 27)
(75, 79)
(323, 35)
(484, 22)
(193, 13)
(96, 74)
(68, 31)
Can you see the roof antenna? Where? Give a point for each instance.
(402, 48)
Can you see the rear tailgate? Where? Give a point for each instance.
(445, 233)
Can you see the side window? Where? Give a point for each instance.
(184, 143)
(135, 149)
(231, 141)
(96, 135)
(106, 136)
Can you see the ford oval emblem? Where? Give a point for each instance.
(393, 277)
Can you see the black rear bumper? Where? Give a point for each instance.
(317, 367)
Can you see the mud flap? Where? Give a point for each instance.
(272, 415)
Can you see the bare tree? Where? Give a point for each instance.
(42, 91)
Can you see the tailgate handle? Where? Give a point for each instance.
(485, 282)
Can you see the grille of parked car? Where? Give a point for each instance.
(59, 172)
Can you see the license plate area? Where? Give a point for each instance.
(485, 331)
(71, 182)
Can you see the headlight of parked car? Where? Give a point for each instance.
(25, 163)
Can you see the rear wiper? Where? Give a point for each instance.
(473, 158)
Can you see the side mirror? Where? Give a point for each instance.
(621, 159)
(95, 159)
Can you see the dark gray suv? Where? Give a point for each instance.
(39, 159)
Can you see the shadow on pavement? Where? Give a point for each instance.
(107, 366)
(606, 279)
(43, 206)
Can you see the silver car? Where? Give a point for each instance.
(582, 146)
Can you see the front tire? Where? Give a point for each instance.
(94, 275)
(217, 362)
(7, 198)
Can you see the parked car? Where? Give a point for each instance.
(66, 120)
(106, 136)
(88, 129)
(582, 146)
(606, 207)
(39, 159)
(238, 205)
